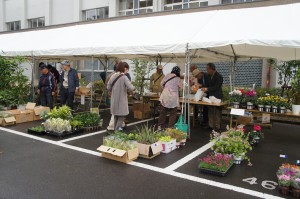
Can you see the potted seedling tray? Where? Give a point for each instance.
(64, 134)
(214, 172)
(92, 128)
(38, 130)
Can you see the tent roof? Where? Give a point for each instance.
(220, 34)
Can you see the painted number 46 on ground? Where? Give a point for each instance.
(265, 184)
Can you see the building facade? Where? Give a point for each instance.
(26, 14)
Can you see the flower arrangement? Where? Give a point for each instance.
(273, 100)
(216, 162)
(236, 96)
(267, 101)
(288, 174)
(250, 96)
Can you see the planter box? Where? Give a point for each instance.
(22, 116)
(142, 114)
(35, 132)
(119, 155)
(149, 151)
(216, 173)
(169, 146)
(7, 121)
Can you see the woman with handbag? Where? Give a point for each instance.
(119, 85)
(169, 98)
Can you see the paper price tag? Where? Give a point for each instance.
(82, 99)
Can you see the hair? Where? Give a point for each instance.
(211, 66)
(121, 67)
(49, 66)
(176, 71)
(41, 64)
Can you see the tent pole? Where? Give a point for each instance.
(32, 75)
(92, 81)
(188, 86)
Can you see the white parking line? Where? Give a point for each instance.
(153, 168)
(99, 132)
(189, 157)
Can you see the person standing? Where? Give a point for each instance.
(214, 88)
(54, 72)
(169, 98)
(202, 81)
(156, 79)
(47, 86)
(69, 84)
(119, 85)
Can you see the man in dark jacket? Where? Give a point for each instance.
(214, 89)
(47, 86)
(69, 84)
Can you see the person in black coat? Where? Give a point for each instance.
(214, 88)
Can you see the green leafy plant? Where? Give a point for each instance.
(166, 139)
(4, 114)
(140, 70)
(44, 114)
(119, 141)
(88, 119)
(39, 129)
(176, 134)
(57, 125)
(76, 124)
(63, 112)
(147, 135)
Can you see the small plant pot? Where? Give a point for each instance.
(250, 105)
(268, 109)
(237, 160)
(295, 109)
(284, 190)
(261, 108)
(296, 193)
(236, 105)
(274, 109)
(282, 110)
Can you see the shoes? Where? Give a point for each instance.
(120, 129)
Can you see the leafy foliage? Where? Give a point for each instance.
(216, 162)
(63, 112)
(57, 125)
(39, 129)
(88, 119)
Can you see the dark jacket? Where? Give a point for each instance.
(72, 78)
(215, 85)
(204, 80)
(47, 82)
(56, 74)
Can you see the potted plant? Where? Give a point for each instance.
(256, 135)
(179, 135)
(260, 104)
(58, 126)
(295, 183)
(284, 182)
(235, 97)
(283, 105)
(216, 164)
(90, 121)
(36, 130)
(250, 97)
(76, 125)
(296, 93)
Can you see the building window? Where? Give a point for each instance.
(97, 13)
(134, 7)
(37, 22)
(15, 25)
(235, 1)
(184, 4)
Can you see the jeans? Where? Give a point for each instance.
(67, 98)
(163, 115)
(46, 97)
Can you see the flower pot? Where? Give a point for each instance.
(282, 110)
(295, 109)
(250, 105)
(296, 193)
(268, 108)
(260, 108)
(284, 190)
(274, 109)
(236, 105)
(237, 160)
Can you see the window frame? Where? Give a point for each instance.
(36, 20)
(8, 25)
(97, 11)
(136, 9)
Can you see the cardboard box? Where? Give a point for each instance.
(38, 110)
(168, 146)
(22, 115)
(30, 106)
(119, 155)
(149, 151)
(142, 114)
(264, 118)
(245, 120)
(7, 121)
(139, 106)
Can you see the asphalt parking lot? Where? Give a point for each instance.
(48, 167)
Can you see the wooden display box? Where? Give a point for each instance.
(22, 116)
(7, 121)
(119, 155)
(149, 151)
(139, 106)
(142, 114)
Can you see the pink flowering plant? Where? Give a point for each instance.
(284, 180)
(295, 182)
(250, 96)
(289, 175)
(256, 133)
(216, 162)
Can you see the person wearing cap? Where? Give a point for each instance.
(202, 81)
(46, 87)
(156, 79)
(69, 84)
(169, 98)
(214, 88)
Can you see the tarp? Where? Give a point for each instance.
(221, 34)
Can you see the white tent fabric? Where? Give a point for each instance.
(220, 34)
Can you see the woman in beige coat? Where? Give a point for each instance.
(119, 85)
